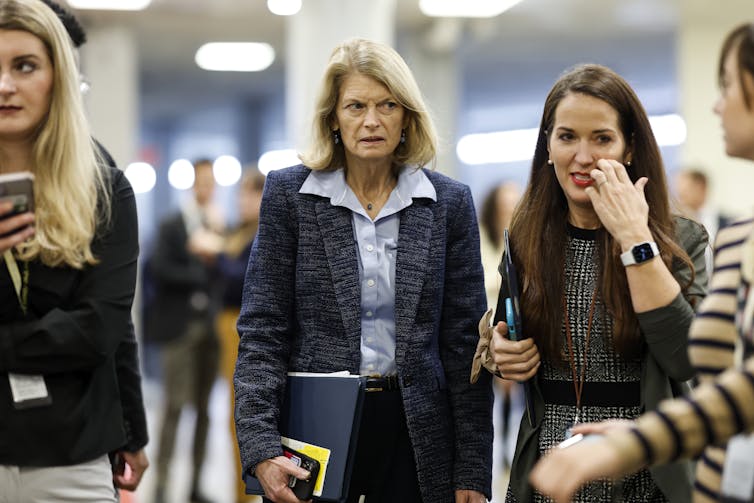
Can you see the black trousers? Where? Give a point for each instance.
(385, 470)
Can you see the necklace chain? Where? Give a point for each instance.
(378, 197)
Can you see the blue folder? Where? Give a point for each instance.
(511, 313)
(323, 410)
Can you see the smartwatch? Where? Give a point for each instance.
(640, 253)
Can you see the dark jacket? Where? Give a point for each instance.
(178, 277)
(128, 370)
(301, 312)
(77, 320)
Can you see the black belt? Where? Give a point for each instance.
(595, 394)
(382, 383)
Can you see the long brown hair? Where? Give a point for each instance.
(542, 213)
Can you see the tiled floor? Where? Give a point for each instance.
(218, 473)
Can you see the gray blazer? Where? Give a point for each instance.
(301, 312)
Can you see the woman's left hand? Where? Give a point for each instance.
(468, 496)
(620, 204)
(561, 472)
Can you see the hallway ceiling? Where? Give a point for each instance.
(169, 32)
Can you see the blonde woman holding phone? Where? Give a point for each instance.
(65, 300)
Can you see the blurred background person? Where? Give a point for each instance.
(723, 404)
(609, 280)
(131, 461)
(182, 317)
(495, 216)
(71, 275)
(364, 262)
(232, 261)
(692, 193)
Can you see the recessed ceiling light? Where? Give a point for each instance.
(110, 4)
(142, 177)
(284, 7)
(465, 8)
(235, 56)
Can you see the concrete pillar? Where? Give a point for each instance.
(432, 57)
(109, 61)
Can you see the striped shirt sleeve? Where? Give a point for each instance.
(680, 428)
(712, 336)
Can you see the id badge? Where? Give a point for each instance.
(28, 390)
(738, 473)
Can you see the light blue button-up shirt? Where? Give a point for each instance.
(377, 243)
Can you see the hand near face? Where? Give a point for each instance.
(619, 203)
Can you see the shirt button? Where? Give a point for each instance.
(369, 313)
(370, 282)
(370, 248)
(370, 339)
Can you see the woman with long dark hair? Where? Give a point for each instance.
(722, 405)
(609, 279)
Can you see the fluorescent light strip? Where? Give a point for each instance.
(465, 8)
(519, 144)
(235, 56)
(110, 4)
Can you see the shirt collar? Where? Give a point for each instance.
(412, 183)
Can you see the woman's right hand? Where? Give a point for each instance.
(515, 360)
(274, 474)
(14, 229)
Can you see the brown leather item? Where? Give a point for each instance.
(482, 356)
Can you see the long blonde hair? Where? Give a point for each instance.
(382, 63)
(71, 192)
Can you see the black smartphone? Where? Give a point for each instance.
(303, 489)
(19, 189)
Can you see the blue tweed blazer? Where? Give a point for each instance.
(301, 312)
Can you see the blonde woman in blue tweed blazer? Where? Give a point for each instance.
(368, 263)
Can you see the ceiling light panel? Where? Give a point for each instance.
(235, 56)
(465, 8)
(110, 4)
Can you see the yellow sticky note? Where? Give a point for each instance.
(321, 454)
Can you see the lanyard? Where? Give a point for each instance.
(578, 382)
(20, 283)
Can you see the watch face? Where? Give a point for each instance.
(642, 252)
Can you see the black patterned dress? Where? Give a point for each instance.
(611, 388)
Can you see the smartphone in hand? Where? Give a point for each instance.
(18, 188)
(303, 489)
